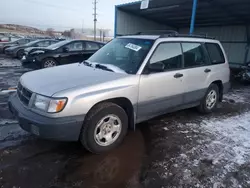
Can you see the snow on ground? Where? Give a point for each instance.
(6, 62)
(7, 122)
(7, 91)
(238, 96)
(220, 157)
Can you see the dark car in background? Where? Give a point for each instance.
(64, 52)
(18, 51)
(5, 45)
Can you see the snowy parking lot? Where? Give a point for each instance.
(181, 149)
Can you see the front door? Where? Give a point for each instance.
(160, 92)
(73, 53)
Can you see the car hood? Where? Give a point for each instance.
(52, 80)
(15, 47)
(34, 49)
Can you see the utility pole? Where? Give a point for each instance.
(95, 19)
(82, 26)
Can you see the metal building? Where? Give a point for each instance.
(227, 20)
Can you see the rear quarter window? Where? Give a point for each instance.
(215, 53)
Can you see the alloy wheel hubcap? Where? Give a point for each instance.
(211, 99)
(107, 130)
(49, 63)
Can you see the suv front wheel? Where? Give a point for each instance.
(104, 128)
(210, 100)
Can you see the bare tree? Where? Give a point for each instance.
(50, 32)
(66, 33)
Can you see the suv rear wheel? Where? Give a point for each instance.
(210, 101)
(104, 128)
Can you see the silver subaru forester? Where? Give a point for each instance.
(130, 80)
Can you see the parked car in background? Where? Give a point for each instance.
(5, 45)
(64, 52)
(130, 80)
(18, 51)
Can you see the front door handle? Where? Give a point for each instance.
(207, 70)
(178, 75)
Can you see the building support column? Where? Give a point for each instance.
(193, 17)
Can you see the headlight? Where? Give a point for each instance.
(48, 104)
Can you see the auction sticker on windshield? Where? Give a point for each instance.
(133, 47)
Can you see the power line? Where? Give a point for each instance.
(53, 5)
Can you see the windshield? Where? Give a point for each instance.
(58, 44)
(124, 53)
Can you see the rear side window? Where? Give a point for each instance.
(194, 55)
(53, 42)
(92, 46)
(215, 53)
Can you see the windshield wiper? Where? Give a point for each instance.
(87, 63)
(103, 67)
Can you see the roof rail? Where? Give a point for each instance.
(157, 32)
(188, 35)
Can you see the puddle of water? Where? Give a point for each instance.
(58, 165)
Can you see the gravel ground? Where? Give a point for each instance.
(181, 149)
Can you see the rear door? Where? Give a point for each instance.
(197, 71)
(90, 49)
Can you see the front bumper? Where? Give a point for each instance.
(63, 129)
(1, 49)
(31, 62)
(10, 53)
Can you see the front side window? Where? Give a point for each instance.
(75, 46)
(194, 55)
(215, 53)
(169, 54)
(125, 53)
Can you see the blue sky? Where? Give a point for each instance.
(58, 14)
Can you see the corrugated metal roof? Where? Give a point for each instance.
(177, 13)
(129, 3)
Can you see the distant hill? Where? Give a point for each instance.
(21, 28)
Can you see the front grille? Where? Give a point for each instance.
(23, 94)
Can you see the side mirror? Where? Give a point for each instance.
(65, 49)
(156, 67)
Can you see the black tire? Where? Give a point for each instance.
(20, 54)
(203, 108)
(43, 65)
(87, 136)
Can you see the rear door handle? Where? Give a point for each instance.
(207, 70)
(178, 75)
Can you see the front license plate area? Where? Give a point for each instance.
(34, 129)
